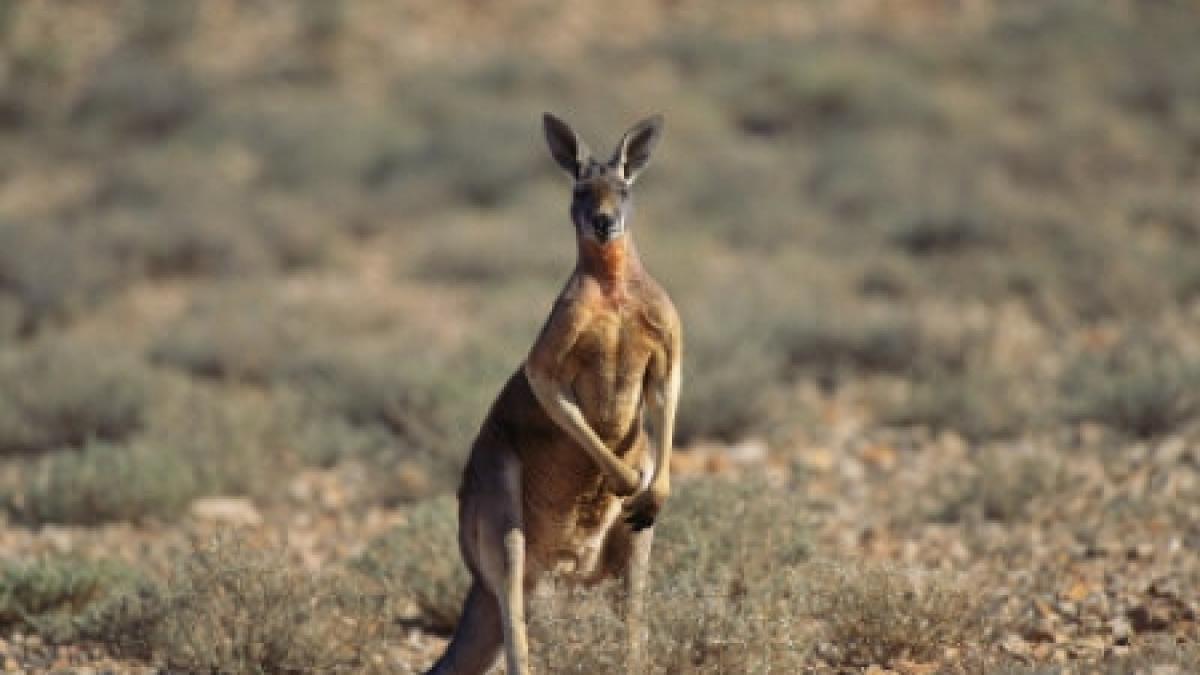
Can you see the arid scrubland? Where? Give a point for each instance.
(263, 265)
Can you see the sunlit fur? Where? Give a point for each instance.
(563, 476)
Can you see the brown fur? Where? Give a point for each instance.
(563, 448)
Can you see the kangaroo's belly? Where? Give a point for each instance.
(569, 508)
(579, 543)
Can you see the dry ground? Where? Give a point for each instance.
(264, 264)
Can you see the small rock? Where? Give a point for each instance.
(1122, 631)
(1015, 645)
(1144, 618)
(749, 451)
(228, 510)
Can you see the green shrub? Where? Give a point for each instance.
(249, 336)
(103, 482)
(829, 342)
(159, 25)
(942, 234)
(1140, 389)
(45, 595)
(196, 447)
(53, 274)
(428, 401)
(730, 368)
(780, 88)
(65, 395)
(138, 97)
(420, 560)
(172, 245)
(979, 404)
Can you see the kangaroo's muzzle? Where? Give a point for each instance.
(606, 227)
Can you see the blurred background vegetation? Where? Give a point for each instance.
(241, 239)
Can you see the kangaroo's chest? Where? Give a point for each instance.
(609, 362)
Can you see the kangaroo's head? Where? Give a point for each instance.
(601, 205)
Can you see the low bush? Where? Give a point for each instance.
(138, 97)
(234, 609)
(979, 404)
(1000, 484)
(246, 335)
(196, 447)
(828, 341)
(64, 395)
(942, 233)
(45, 595)
(420, 562)
(1140, 389)
(879, 615)
(52, 274)
(730, 368)
(103, 482)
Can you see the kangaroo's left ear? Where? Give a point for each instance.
(633, 152)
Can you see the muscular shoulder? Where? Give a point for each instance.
(568, 315)
(658, 308)
(658, 304)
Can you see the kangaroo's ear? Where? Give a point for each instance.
(566, 146)
(633, 152)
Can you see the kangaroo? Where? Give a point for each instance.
(561, 477)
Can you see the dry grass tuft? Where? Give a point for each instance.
(232, 609)
(879, 615)
(724, 592)
(694, 625)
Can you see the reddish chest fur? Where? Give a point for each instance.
(612, 266)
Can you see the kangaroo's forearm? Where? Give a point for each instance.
(561, 407)
(664, 414)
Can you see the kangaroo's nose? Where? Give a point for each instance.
(602, 221)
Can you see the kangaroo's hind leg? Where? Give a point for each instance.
(500, 536)
(637, 575)
(475, 647)
(627, 556)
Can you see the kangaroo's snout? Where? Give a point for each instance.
(605, 226)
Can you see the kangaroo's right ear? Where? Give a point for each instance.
(566, 146)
